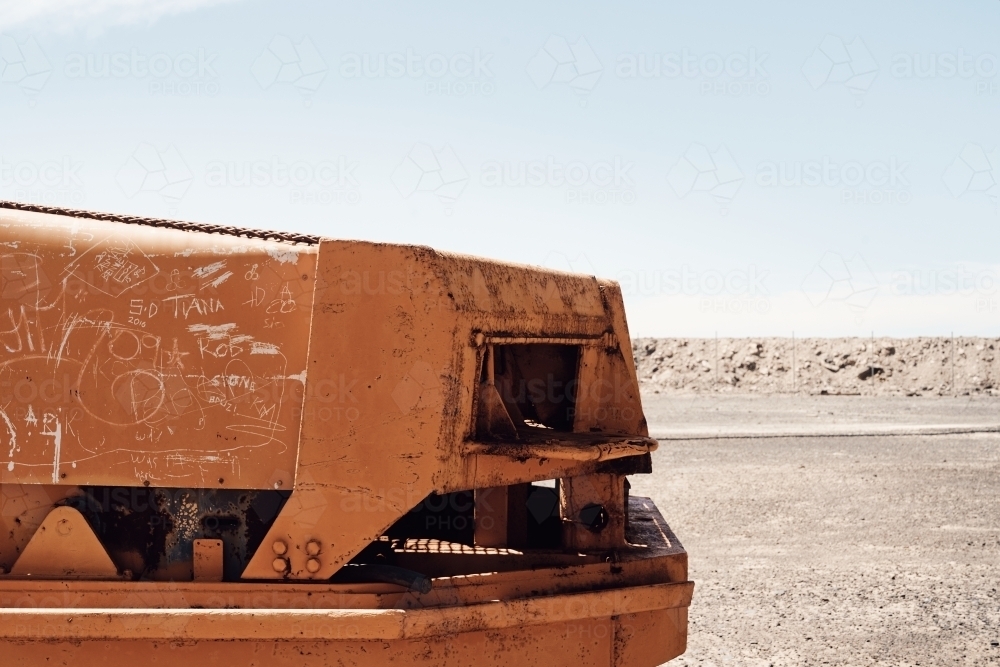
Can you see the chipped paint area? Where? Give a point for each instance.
(114, 338)
(283, 255)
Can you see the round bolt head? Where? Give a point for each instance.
(313, 547)
(594, 517)
(279, 564)
(313, 565)
(279, 547)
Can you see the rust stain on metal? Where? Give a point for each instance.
(319, 448)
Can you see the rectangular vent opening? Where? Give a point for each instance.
(527, 388)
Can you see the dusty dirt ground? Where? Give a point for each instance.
(709, 415)
(880, 366)
(833, 550)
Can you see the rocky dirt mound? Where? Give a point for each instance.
(893, 366)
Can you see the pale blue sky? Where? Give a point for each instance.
(680, 182)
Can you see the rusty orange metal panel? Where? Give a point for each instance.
(271, 512)
(368, 624)
(134, 355)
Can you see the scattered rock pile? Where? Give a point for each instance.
(900, 366)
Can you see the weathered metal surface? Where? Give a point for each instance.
(134, 355)
(291, 446)
(370, 624)
(589, 448)
(635, 607)
(414, 325)
(64, 547)
(591, 642)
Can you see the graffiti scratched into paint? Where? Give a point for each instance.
(132, 354)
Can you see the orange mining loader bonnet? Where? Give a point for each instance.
(241, 447)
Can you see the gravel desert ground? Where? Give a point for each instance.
(842, 548)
